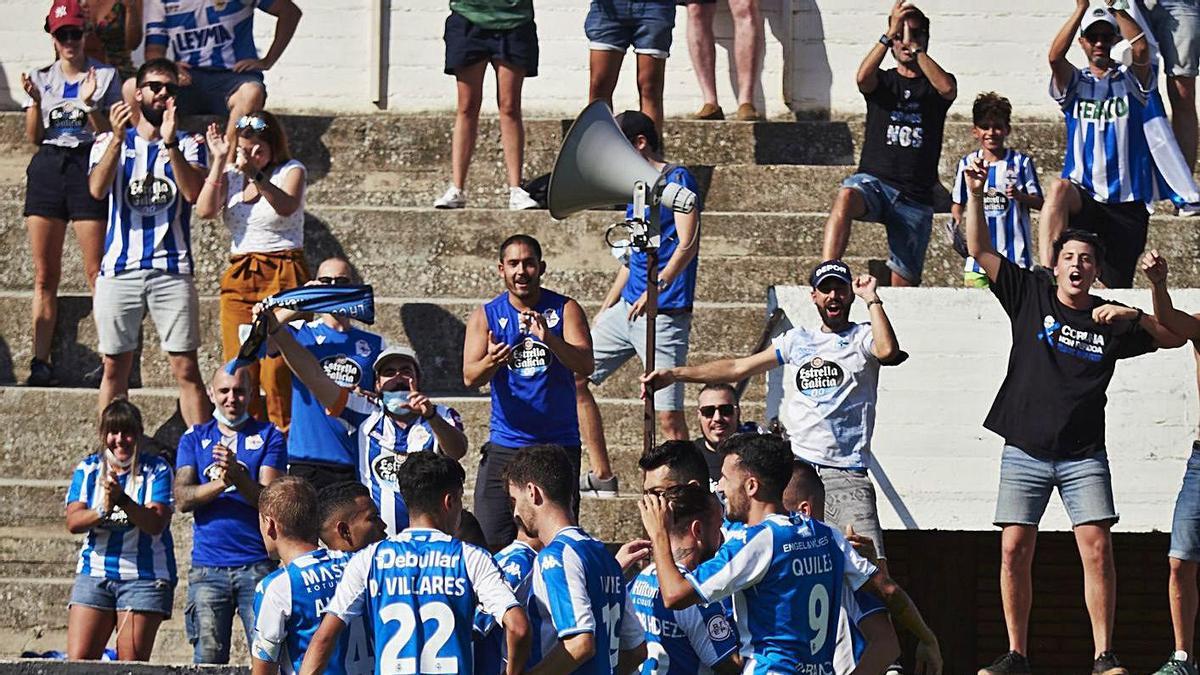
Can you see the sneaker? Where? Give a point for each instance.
(604, 489)
(41, 374)
(1008, 664)
(519, 200)
(454, 198)
(1107, 664)
(894, 669)
(710, 112)
(746, 112)
(1188, 210)
(1177, 666)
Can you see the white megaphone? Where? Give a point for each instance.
(597, 167)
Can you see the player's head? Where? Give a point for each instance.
(539, 481)
(432, 487)
(672, 463)
(230, 395)
(469, 530)
(157, 82)
(719, 413)
(805, 492)
(914, 35)
(831, 293)
(1098, 32)
(1078, 257)
(696, 520)
(640, 132)
(991, 118)
(756, 469)
(521, 265)
(287, 511)
(349, 517)
(120, 430)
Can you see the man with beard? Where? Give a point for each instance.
(832, 413)
(150, 174)
(396, 421)
(720, 417)
(528, 343)
(1050, 412)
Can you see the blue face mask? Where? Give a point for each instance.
(396, 402)
(232, 424)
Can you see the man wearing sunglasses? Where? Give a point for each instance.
(720, 417)
(150, 174)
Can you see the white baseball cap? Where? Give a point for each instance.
(395, 352)
(1096, 15)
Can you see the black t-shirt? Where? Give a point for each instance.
(1053, 396)
(903, 138)
(713, 459)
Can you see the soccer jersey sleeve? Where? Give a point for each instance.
(275, 452)
(857, 569)
(1065, 97)
(185, 454)
(451, 416)
(350, 599)
(1030, 176)
(98, 148)
(783, 345)
(866, 604)
(494, 595)
(154, 14)
(632, 633)
(272, 607)
(559, 579)
(709, 632)
(352, 407)
(78, 484)
(193, 150)
(112, 87)
(740, 563)
(159, 487)
(959, 194)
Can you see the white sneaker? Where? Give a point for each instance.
(519, 200)
(453, 199)
(1189, 210)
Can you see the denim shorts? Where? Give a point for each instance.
(850, 500)
(1185, 525)
(119, 595)
(646, 25)
(1026, 481)
(908, 223)
(1176, 26)
(209, 92)
(616, 339)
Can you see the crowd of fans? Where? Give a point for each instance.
(327, 489)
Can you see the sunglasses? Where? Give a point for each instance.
(334, 281)
(726, 410)
(1100, 36)
(68, 34)
(256, 124)
(156, 87)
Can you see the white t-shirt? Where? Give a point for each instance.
(831, 414)
(257, 227)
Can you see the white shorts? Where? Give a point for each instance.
(121, 302)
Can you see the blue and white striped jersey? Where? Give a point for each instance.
(786, 576)
(382, 445)
(1107, 153)
(680, 642)
(1007, 220)
(418, 592)
(149, 222)
(851, 643)
(288, 608)
(578, 587)
(115, 548)
(204, 33)
(64, 121)
(516, 563)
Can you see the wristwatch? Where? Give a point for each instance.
(885, 40)
(876, 301)
(259, 177)
(171, 145)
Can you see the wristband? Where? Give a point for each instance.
(87, 109)
(171, 145)
(432, 414)
(876, 301)
(259, 177)
(1140, 315)
(101, 512)
(885, 40)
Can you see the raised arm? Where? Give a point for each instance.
(213, 194)
(1132, 33)
(1060, 67)
(943, 82)
(303, 364)
(979, 240)
(676, 591)
(1178, 322)
(100, 178)
(725, 370)
(189, 177)
(482, 355)
(867, 77)
(34, 132)
(886, 347)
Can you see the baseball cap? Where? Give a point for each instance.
(64, 13)
(830, 269)
(395, 352)
(1096, 15)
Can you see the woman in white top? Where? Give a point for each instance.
(261, 199)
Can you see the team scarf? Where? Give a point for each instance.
(351, 301)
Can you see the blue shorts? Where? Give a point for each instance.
(908, 223)
(1185, 525)
(209, 92)
(1176, 26)
(468, 44)
(154, 596)
(616, 339)
(616, 25)
(1084, 484)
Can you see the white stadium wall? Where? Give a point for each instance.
(812, 50)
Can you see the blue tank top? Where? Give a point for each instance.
(533, 396)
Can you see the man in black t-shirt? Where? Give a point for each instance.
(1050, 412)
(720, 417)
(906, 111)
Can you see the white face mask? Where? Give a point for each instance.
(232, 424)
(112, 459)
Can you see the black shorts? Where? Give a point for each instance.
(1122, 228)
(57, 185)
(322, 474)
(467, 44)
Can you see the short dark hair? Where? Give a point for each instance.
(547, 467)
(719, 386)
(688, 501)
(521, 239)
(922, 20)
(335, 498)
(636, 123)
(805, 485)
(682, 459)
(292, 502)
(158, 65)
(991, 107)
(425, 478)
(121, 416)
(1076, 234)
(768, 458)
(470, 531)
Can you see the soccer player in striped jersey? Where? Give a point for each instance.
(516, 564)
(289, 602)
(1012, 187)
(1108, 177)
(350, 519)
(582, 620)
(423, 577)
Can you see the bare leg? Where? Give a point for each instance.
(115, 380)
(88, 630)
(512, 129)
(1184, 600)
(1062, 200)
(90, 235)
(46, 244)
(1181, 91)
(591, 428)
(193, 400)
(466, 120)
(673, 425)
(747, 43)
(605, 68)
(847, 206)
(1099, 581)
(651, 72)
(702, 48)
(898, 280)
(135, 641)
(250, 97)
(1016, 582)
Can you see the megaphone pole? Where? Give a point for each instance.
(651, 251)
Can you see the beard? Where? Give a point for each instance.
(154, 117)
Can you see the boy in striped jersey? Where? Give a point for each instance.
(516, 564)
(1012, 187)
(289, 602)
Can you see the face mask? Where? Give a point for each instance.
(396, 402)
(112, 459)
(232, 424)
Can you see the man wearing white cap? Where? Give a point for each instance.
(395, 421)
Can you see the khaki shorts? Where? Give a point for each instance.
(850, 500)
(121, 302)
